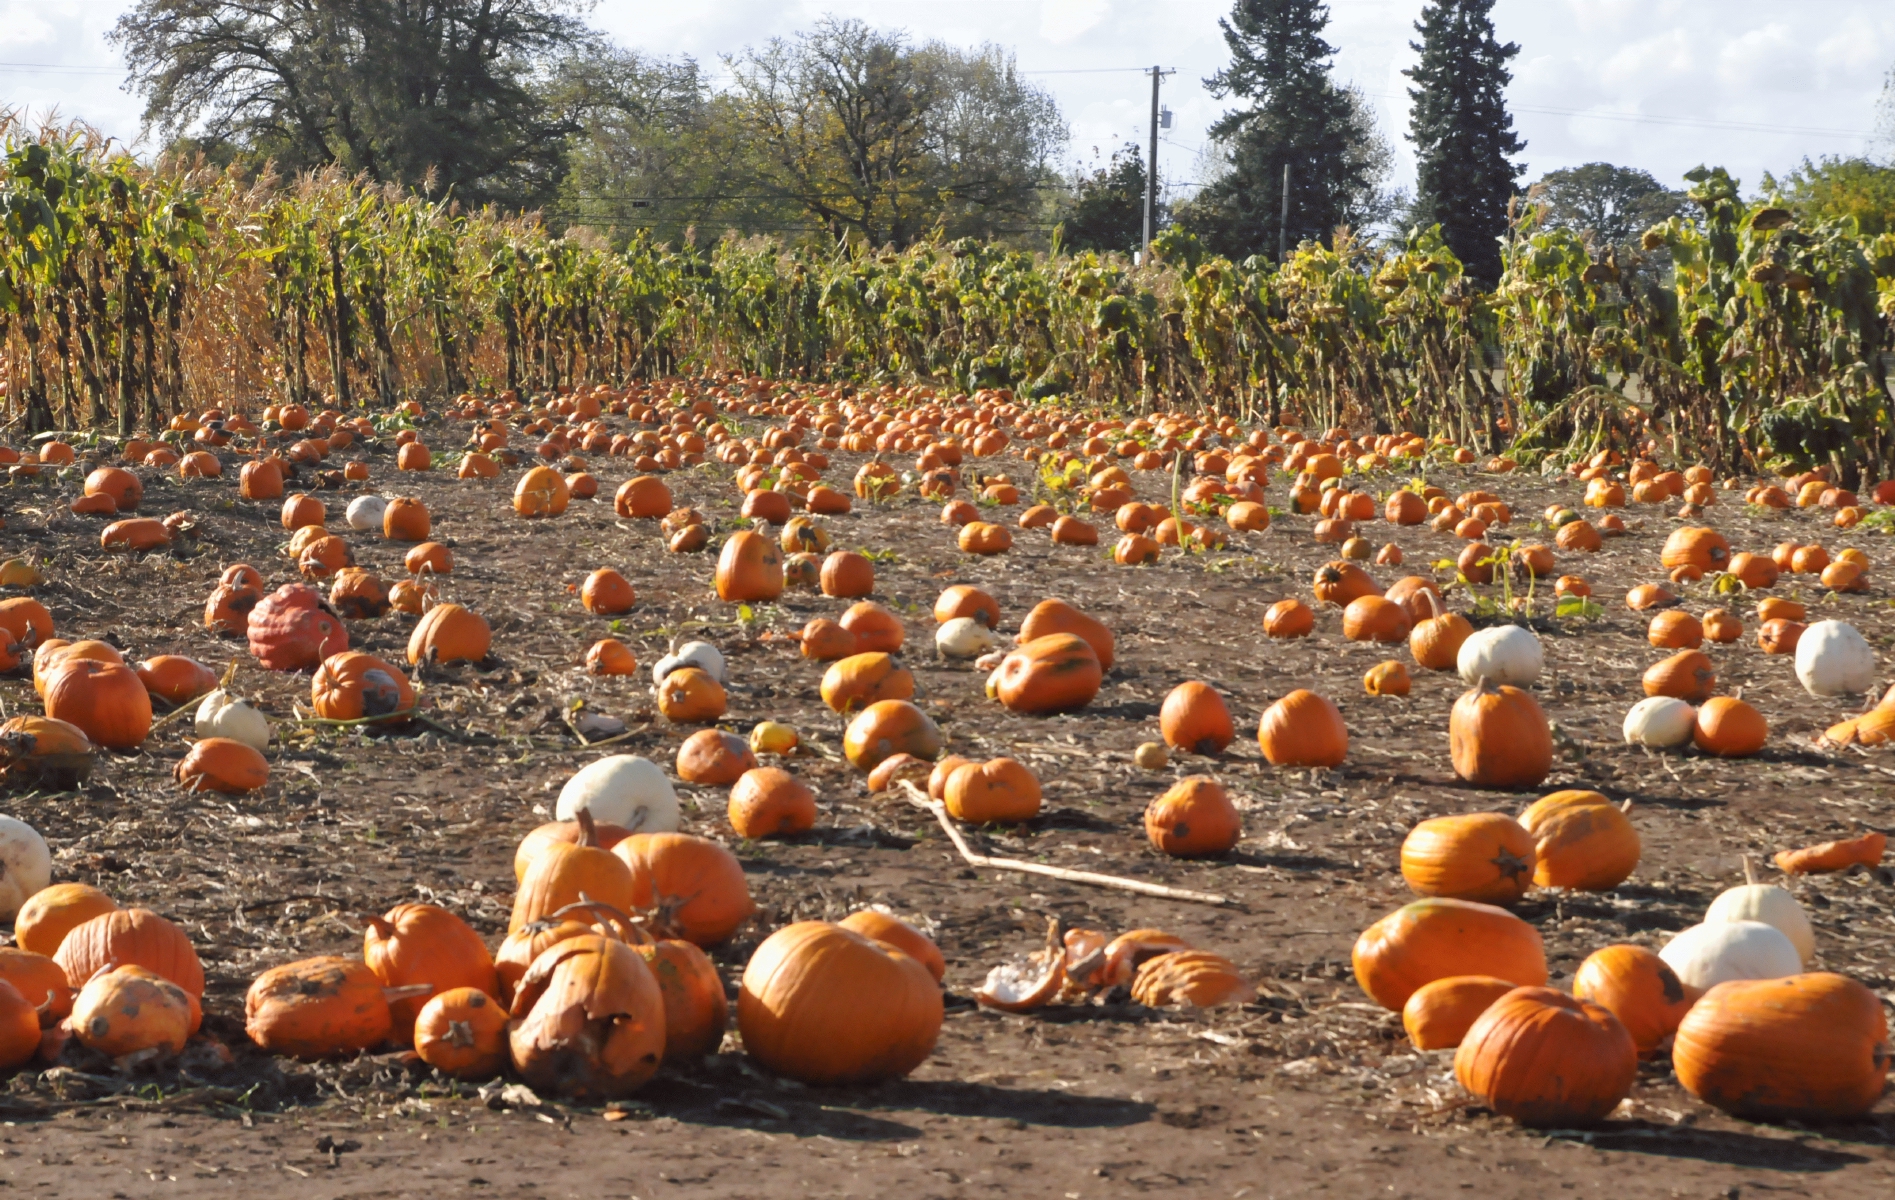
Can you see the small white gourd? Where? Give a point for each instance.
(1660, 722)
(964, 637)
(622, 789)
(1503, 654)
(26, 865)
(702, 655)
(1832, 659)
(223, 715)
(1717, 951)
(1774, 906)
(366, 512)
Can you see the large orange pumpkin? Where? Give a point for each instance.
(352, 685)
(589, 1020)
(1499, 738)
(1057, 616)
(1804, 1047)
(1546, 1059)
(1481, 856)
(52, 912)
(1052, 673)
(687, 887)
(462, 1032)
(294, 629)
(105, 700)
(893, 931)
(317, 1008)
(696, 1011)
(886, 728)
(749, 569)
(566, 872)
(1582, 841)
(1193, 819)
(450, 633)
(1637, 987)
(1439, 1014)
(415, 944)
(131, 937)
(1434, 938)
(1303, 730)
(541, 492)
(999, 790)
(1195, 718)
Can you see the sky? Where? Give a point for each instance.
(1752, 85)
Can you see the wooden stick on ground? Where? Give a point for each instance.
(920, 799)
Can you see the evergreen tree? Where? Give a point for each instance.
(1108, 209)
(1462, 134)
(1297, 116)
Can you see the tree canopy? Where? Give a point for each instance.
(1108, 205)
(1834, 188)
(1611, 204)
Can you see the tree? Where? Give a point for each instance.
(1297, 116)
(436, 92)
(1462, 134)
(873, 137)
(1108, 208)
(1614, 205)
(1840, 187)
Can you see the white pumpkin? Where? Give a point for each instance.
(702, 655)
(1717, 951)
(1772, 905)
(1832, 659)
(622, 789)
(1660, 721)
(365, 513)
(26, 865)
(1503, 654)
(223, 715)
(964, 637)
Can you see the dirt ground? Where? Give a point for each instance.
(1311, 1089)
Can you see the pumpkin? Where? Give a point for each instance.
(567, 872)
(1730, 728)
(424, 945)
(769, 801)
(1194, 978)
(1832, 659)
(1582, 841)
(1193, 819)
(40, 981)
(353, 686)
(1438, 937)
(1481, 856)
(1546, 1059)
(1375, 619)
(1660, 722)
(607, 593)
(687, 887)
(1303, 730)
(689, 695)
(1195, 718)
(358, 595)
(1774, 906)
(26, 619)
(1649, 595)
(301, 512)
(294, 629)
(104, 700)
(714, 757)
(136, 535)
(1834, 856)
(603, 835)
(175, 679)
(462, 1032)
(863, 679)
(1639, 988)
(1439, 1014)
(1288, 619)
(222, 765)
(899, 935)
(984, 537)
(1499, 738)
(621, 790)
(51, 912)
(965, 600)
(1057, 616)
(824, 1005)
(1709, 953)
(696, 1012)
(1502, 654)
(260, 479)
(227, 609)
(874, 627)
(1807, 1047)
(126, 1011)
(1697, 547)
(588, 1020)
(222, 715)
(999, 790)
(749, 568)
(609, 656)
(645, 496)
(889, 727)
(449, 633)
(131, 937)
(1051, 673)
(366, 512)
(541, 492)
(412, 596)
(1436, 641)
(41, 752)
(519, 949)
(1675, 629)
(405, 519)
(1341, 582)
(847, 574)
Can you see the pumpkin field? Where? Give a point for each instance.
(724, 786)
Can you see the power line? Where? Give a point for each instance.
(11, 66)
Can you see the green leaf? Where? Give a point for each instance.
(746, 614)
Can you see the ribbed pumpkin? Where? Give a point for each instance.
(1340, 582)
(1052, 673)
(589, 1020)
(696, 1011)
(131, 937)
(1582, 841)
(1499, 738)
(352, 685)
(1481, 856)
(106, 701)
(40, 981)
(1303, 730)
(749, 569)
(1375, 619)
(463, 1032)
(52, 912)
(1434, 938)
(567, 872)
(450, 633)
(320, 1007)
(294, 629)
(687, 887)
(1637, 987)
(823, 1005)
(893, 931)
(1546, 1059)
(1692, 546)
(1808, 1047)
(1056, 616)
(1439, 1014)
(415, 944)
(519, 949)
(541, 492)
(1193, 819)
(1288, 619)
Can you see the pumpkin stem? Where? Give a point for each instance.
(1434, 603)
(588, 831)
(1750, 869)
(406, 992)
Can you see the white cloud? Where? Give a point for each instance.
(1062, 21)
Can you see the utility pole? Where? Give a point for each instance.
(1151, 164)
(1283, 222)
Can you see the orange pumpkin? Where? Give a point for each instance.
(1498, 737)
(131, 937)
(1052, 673)
(863, 679)
(847, 574)
(1637, 987)
(769, 801)
(222, 765)
(52, 912)
(1582, 841)
(564, 873)
(898, 934)
(1810, 1047)
(696, 1012)
(1195, 718)
(352, 685)
(1439, 1014)
(40, 982)
(1057, 616)
(1439, 937)
(125, 1011)
(714, 757)
(1193, 819)
(175, 679)
(1001, 790)
(317, 1008)
(1303, 730)
(105, 700)
(964, 600)
(749, 569)
(1729, 728)
(541, 492)
(406, 520)
(1481, 856)
(293, 628)
(1546, 1059)
(588, 1020)
(607, 593)
(889, 727)
(689, 887)
(874, 627)
(462, 1032)
(1288, 619)
(449, 633)
(412, 945)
